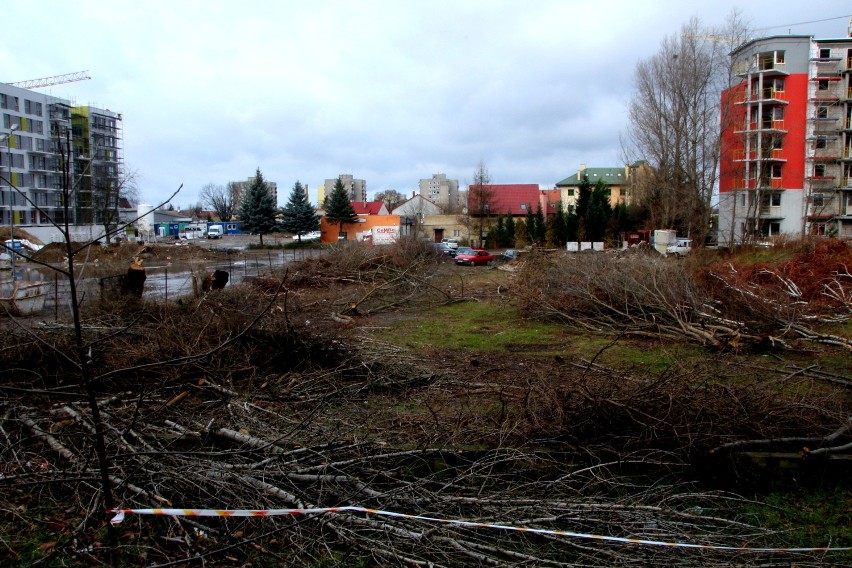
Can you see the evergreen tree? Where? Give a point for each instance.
(510, 230)
(520, 233)
(500, 232)
(540, 226)
(572, 227)
(584, 194)
(258, 208)
(598, 213)
(299, 216)
(550, 234)
(529, 226)
(338, 207)
(560, 227)
(595, 222)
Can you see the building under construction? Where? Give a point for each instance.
(41, 132)
(786, 159)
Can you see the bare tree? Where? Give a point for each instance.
(675, 124)
(391, 198)
(221, 199)
(108, 193)
(479, 200)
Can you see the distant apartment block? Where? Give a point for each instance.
(786, 159)
(441, 191)
(36, 127)
(242, 186)
(357, 188)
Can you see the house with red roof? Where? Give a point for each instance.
(487, 202)
(370, 208)
(511, 199)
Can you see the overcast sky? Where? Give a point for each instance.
(388, 91)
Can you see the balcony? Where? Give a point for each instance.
(820, 60)
(824, 158)
(770, 183)
(776, 126)
(770, 67)
(770, 212)
(766, 95)
(818, 178)
(773, 155)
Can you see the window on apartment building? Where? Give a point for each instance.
(32, 107)
(820, 143)
(771, 200)
(779, 56)
(822, 112)
(570, 193)
(776, 143)
(822, 85)
(825, 53)
(775, 171)
(819, 170)
(818, 200)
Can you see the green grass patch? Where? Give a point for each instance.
(477, 326)
(807, 519)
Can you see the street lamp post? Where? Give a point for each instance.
(11, 199)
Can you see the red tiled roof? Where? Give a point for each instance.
(369, 208)
(508, 198)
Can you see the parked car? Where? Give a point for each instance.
(509, 254)
(476, 257)
(444, 248)
(452, 243)
(461, 250)
(681, 248)
(313, 235)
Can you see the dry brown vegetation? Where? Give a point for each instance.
(723, 304)
(280, 393)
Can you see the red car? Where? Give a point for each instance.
(475, 257)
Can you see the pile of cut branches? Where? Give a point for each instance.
(725, 305)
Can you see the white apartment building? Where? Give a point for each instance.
(441, 191)
(37, 130)
(357, 188)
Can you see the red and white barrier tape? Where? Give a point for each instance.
(120, 513)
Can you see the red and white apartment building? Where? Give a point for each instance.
(786, 156)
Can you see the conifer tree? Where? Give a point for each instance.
(299, 216)
(529, 225)
(540, 225)
(258, 209)
(560, 227)
(510, 230)
(520, 233)
(338, 207)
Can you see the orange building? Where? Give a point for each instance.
(362, 231)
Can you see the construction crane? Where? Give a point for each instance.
(50, 81)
